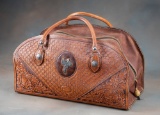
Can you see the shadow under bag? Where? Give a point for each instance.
(82, 63)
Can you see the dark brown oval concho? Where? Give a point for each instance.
(66, 64)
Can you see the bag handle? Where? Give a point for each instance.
(95, 58)
(94, 41)
(91, 15)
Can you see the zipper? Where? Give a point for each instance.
(106, 37)
(113, 29)
(61, 27)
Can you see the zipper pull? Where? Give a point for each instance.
(137, 93)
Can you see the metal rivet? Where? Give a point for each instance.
(94, 63)
(94, 48)
(41, 42)
(39, 56)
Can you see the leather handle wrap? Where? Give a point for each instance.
(94, 41)
(91, 15)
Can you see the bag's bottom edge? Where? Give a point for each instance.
(65, 99)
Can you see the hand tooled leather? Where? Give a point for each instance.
(28, 82)
(103, 94)
(111, 86)
(48, 71)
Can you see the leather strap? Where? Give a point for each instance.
(94, 41)
(91, 15)
(95, 59)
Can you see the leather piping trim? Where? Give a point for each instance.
(127, 88)
(15, 75)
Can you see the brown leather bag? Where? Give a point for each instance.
(81, 62)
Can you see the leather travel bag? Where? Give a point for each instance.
(82, 63)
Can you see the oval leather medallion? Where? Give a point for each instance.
(66, 64)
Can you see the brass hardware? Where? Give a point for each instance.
(137, 92)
